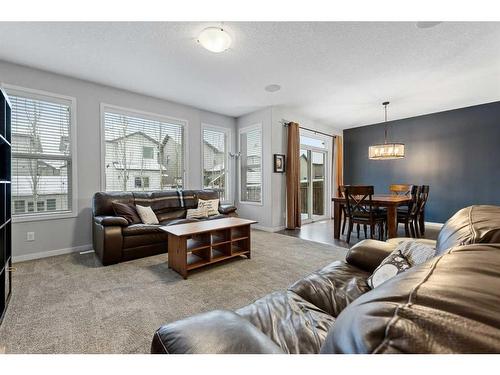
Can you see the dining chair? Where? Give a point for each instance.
(409, 215)
(343, 212)
(424, 196)
(360, 210)
(400, 189)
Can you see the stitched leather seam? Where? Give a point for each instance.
(395, 316)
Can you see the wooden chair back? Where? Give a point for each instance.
(358, 200)
(400, 189)
(413, 205)
(424, 196)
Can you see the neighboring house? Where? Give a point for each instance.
(214, 167)
(48, 179)
(137, 162)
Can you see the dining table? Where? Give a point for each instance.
(389, 202)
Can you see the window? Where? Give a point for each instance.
(19, 207)
(142, 151)
(51, 204)
(148, 152)
(215, 160)
(141, 182)
(251, 164)
(41, 151)
(40, 206)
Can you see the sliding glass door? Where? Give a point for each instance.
(314, 181)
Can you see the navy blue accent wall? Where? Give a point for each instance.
(456, 152)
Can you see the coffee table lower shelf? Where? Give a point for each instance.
(189, 250)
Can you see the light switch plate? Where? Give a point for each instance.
(30, 236)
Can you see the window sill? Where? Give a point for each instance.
(42, 217)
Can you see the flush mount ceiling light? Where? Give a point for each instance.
(387, 150)
(215, 39)
(272, 88)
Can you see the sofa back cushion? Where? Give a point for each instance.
(446, 305)
(474, 224)
(102, 203)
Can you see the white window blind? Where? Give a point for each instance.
(41, 154)
(251, 164)
(142, 153)
(215, 171)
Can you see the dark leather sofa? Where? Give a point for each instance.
(114, 240)
(450, 304)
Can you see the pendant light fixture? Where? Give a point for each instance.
(387, 150)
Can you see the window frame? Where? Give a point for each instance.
(246, 129)
(73, 177)
(146, 115)
(229, 149)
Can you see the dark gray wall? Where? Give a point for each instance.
(456, 152)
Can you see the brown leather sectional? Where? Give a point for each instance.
(115, 241)
(450, 304)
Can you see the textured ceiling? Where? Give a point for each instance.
(337, 73)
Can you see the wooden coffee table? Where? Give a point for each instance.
(195, 245)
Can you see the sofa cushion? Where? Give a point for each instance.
(179, 221)
(222, 332)
(137, 229)
(406, 255)
(211, 205)
(197, 213)
(127, 211)
(171, 215)
(294, 324)
(102, 203)
(215, 217)
(447, 305)
(474, 224)
(333, 287)
(147, 215)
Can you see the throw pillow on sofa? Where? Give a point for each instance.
(197, 213)
(212, 206)
(147, 215)
(406, 255)
(127, 211)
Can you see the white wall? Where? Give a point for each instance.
(271, 214)
(62, 235)
(260, 213)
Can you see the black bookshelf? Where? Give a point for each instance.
(5, 204)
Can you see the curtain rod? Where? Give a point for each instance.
(285, 124)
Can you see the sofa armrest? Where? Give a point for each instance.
(368, 254)
(214, 332)
(226, 209)
(111, 221)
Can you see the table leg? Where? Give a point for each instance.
(177, 254)
(392, 222)
(336, 220)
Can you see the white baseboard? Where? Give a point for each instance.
(268, 229)
(50, 253)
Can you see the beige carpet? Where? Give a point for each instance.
(71, 304)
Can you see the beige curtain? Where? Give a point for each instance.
(339, 164)
(293, 177)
